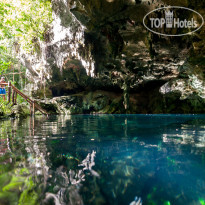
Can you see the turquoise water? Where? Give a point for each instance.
(103, 159)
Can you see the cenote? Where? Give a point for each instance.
(103, 159)
(96, 108)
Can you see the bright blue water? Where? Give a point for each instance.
(159, 158)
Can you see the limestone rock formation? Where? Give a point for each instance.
(103, 46)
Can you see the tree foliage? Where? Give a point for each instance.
(23, 25)
(24, 21)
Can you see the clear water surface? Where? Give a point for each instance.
(103, 159)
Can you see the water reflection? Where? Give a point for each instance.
(137, 201)
(69, 182)
(106, 159)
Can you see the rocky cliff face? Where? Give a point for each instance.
(100, 55)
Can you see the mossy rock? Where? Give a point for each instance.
(42, 93)
(116, 107)
(51, 108)
(75, 110)
(20, 111)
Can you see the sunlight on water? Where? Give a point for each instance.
(103, 159)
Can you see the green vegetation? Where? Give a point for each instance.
(23, 26)
(8, 110)
(16, 182)
(24, 22)
(18, 186)
(3, 107)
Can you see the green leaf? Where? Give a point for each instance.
(18, 29)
